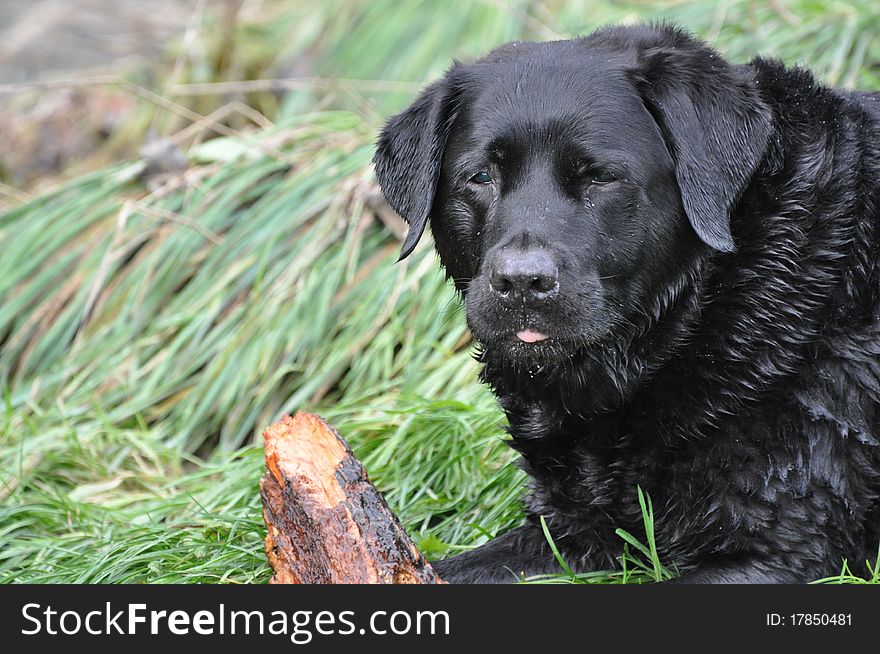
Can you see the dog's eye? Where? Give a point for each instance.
(600, 177)
(588, 172)
(481, 177)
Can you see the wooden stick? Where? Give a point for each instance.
(327, 524)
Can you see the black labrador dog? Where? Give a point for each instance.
(671, 265)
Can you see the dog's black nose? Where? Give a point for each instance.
(527, 277)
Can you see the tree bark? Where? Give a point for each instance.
(327, 524)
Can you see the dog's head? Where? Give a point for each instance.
(566, 182)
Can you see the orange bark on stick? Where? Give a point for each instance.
(327, 524)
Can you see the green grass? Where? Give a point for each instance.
(848, 576)
(149, 334)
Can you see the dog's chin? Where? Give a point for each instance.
(534, 351)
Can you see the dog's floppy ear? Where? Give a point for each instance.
(714, 122)
(408, 156)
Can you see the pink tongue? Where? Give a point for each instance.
(528, 336)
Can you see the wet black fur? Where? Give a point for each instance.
(734, 372)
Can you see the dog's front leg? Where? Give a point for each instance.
(745, 572)
(506, 559)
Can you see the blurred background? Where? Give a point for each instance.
(192, 243)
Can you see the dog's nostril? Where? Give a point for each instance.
(544, 283)
(501, 284)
